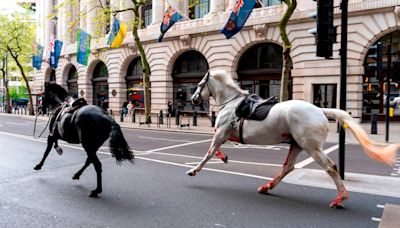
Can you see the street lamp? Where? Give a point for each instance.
(54, 22)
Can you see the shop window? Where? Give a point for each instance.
(72, 82)
(134, 83)
(325, 95)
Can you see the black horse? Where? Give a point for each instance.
(88, 125)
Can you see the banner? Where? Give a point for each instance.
(83, 47)
(55, 54)
(37, 58)
(238, 17)
(171, 16)
(117, 34)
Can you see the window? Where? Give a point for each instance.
(72, 82)
(134, 83)
(198, 8)
(147, 14)
(191, 62)
(325, 95)
(100, 71)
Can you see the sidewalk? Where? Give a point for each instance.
(204, 127)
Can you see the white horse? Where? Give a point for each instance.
(297, 122)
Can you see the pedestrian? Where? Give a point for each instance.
(105, 105)
(170, 108)
(124, 108)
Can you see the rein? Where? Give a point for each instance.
(34, 126)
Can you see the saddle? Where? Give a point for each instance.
(253, 107)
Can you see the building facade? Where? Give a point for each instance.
(191, 47)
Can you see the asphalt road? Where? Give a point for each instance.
(155, 192)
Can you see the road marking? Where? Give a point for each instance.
(310, 159)
(179, 145)
(209, 162)
(163, 139)
(375, 219)
(20, 124)
(380, 206)
(208, 169)
(394, 174)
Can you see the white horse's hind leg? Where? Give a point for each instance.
(325, 162)
(288, 166)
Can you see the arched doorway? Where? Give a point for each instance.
(72, 82)
(374, 82)
(100, 84)
(134, 83)
(187, 72)
(52, 75)
(260, 68)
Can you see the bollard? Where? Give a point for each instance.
(213, 118)
(121, 117)
(194, 118)
(177, 115)
(161, 120)
(374, 126)
(134, 115)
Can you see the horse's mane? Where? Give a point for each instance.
(227, 79)
(57, 89)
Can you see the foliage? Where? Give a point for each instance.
(20, 92)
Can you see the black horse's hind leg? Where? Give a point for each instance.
(79, 173)
(50, 142)
(58, 148)
(97, 166)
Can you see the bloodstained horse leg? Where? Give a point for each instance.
(325, 162)
(50, 142)
(288, 166)
(221, 155)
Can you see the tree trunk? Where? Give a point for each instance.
(30, 107)
(287, 45)
(7, 92)
(145, 64)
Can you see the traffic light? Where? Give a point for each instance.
(325, 32)
(374, 61)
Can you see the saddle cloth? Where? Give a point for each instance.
(253, 107)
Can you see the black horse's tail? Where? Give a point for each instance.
(118, 145)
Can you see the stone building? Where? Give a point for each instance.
(253, 56)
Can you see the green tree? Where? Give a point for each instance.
(16, 39)
(287, 45)
(3, 69)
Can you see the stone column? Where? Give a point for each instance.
(67, 18)
(158, 9)
(91, 14)
(83, 9)
(59, 22)
(217, 6)
(49, 26)
(231, 4)
(128, 16)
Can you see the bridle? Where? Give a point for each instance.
(207, 77)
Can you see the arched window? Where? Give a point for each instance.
(260, 69)
(100, 84)
(72, 82)
(134, 83)
(53, 75)
(188, 71)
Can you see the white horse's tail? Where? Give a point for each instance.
(383, 153)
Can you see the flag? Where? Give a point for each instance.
(37, 58)
(238, 17)
(117, 34)
(51, 44)
(83, 40)
(171, 16)
(55, 54)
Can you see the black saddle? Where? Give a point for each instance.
(253, 107)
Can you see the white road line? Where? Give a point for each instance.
(380, 206)
(163, 139)
(209, 162)
(310, 160)
(394, 174)
(179, 145)
(375, 219)
(208, 169)
(20, 124)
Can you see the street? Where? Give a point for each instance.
(156, 192)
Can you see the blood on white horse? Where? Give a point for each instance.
(303, 125)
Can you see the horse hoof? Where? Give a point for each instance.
(94, 194)
(262, 190)
(37, 167)
(336, 205)
(59, 150)
(191, 173)
(225, 160)
(75, 177)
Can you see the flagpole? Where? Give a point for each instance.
(259, 1)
